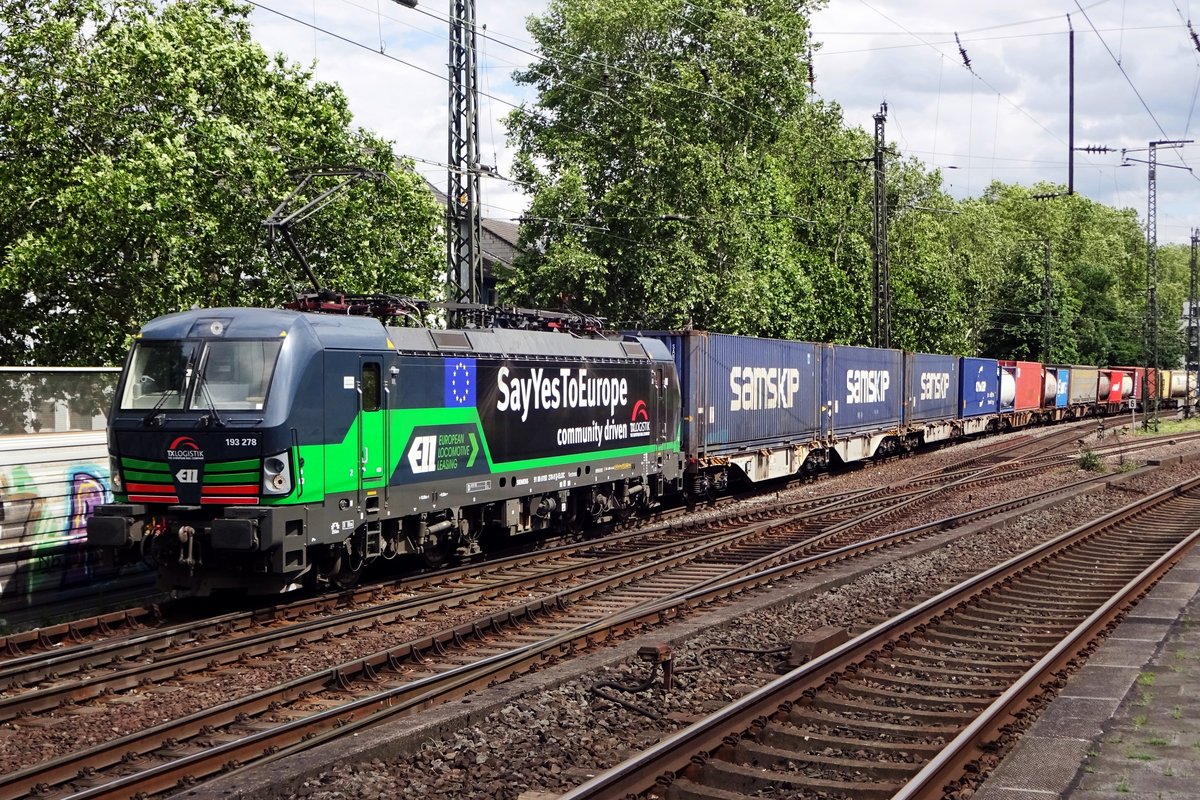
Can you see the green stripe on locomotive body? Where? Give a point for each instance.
(137, 476)
(331, 469)
(145, 466)
(244, 465)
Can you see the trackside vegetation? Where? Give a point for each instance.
(683, 172)
(680, 171)
(142, 144)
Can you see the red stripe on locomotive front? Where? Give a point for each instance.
(151, 488)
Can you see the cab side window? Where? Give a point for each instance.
(372, 388)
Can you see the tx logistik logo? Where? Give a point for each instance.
(184, 448)
(639, 420)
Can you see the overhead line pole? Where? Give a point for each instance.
(1191, 359)
(463, 254)
(881, 306)
(1070, 108)
(1047, 302)
(1152, 281)
(1150, 418)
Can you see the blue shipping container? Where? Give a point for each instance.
(741, 392)
(863, 388)
(932, 382)
(980, 386)
(1061, 399)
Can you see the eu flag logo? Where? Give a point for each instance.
(460, 382)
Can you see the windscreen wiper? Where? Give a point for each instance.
(213, 418)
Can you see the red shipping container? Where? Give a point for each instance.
(1140, 378)
(1027, 385)
(1120, 385)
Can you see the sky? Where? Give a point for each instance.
(1137, 72)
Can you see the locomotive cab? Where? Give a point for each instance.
(200, 445)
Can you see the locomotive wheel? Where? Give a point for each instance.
(437, 551)
(345, 577)
(339, 573)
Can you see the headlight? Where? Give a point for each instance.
(114, 474)
(277, 474)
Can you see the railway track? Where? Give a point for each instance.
(72, 634)
(919, 706)
(402, 678)
(143, 617)
(139, 617)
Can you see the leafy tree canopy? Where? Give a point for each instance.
(142, 144)
(662, 194)
(681, 173)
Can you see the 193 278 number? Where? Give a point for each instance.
(243, 442)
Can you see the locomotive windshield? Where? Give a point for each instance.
(200, 374)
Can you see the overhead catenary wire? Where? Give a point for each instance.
(974, 72)
(711, 95)
(1141, 99)
(497, 38)
(949, 40)
(974, 68)
(1125, 74)
(997, 26)
(523, 108)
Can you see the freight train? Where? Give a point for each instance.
(264, 450)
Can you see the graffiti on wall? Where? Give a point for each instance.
(43, 533)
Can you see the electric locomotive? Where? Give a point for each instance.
(262, 450)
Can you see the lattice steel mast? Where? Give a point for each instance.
(463, 257)
(881, 306)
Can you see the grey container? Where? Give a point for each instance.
(1085, 383)
(741, 392)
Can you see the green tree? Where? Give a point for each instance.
(1097, 294)
(930, 298)
(658, 197)
(1174, 280)
(142, 144)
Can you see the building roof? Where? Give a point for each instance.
(498, 237)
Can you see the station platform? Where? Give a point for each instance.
(1127, 725)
